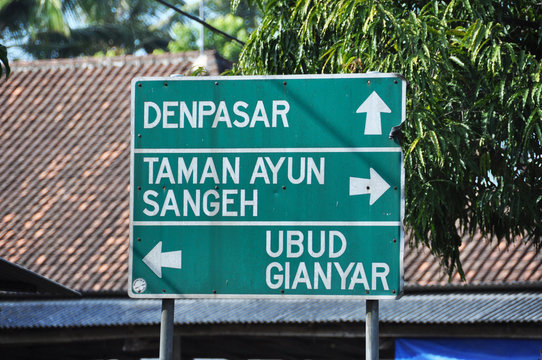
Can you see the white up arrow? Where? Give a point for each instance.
(375, 186)
(373, 106)
(156, 259)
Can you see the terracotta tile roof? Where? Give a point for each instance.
(484, 262)
(64, 140)
(64, 177)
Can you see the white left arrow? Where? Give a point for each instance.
(156, 259)
(375, 186)
(373, 106)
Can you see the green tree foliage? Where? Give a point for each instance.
(473, 135)
(68, 28)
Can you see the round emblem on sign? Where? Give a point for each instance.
(139, 285)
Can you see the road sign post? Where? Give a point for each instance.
(167, 320)
(371, 330)
(280, 186)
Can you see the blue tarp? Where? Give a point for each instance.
(467, 349)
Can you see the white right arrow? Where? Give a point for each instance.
(375, 186)
(156, 259)
(373, 106)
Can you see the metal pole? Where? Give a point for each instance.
(202, 29)
(371, 330)
(166, 329)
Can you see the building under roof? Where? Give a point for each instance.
(64, 195)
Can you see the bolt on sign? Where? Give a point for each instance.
(267, 186)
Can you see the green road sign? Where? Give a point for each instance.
(278, 186)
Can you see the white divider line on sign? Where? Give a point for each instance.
(269, 150)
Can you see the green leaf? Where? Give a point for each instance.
(434, 140)
(412, 147)
(456, 60)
